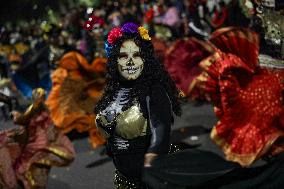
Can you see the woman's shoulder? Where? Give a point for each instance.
(158, 93)
(157, 89)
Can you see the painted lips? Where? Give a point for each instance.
(130, 69)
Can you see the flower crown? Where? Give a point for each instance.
(117, 32)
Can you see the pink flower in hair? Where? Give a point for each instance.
(113, 35)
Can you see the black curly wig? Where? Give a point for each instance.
(152, 74)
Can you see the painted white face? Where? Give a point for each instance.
(130, 63)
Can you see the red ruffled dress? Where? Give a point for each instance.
(247, 98)
(28, 152)
(182, 62)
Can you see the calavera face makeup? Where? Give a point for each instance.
(130, 63)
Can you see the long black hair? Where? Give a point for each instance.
(152, 74)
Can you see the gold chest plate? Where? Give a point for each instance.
(129, 124)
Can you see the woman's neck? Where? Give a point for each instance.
(127, 83)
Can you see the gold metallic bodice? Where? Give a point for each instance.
(129, 124)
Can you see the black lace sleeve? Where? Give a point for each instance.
(160, 116)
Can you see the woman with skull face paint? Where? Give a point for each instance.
(136, 110)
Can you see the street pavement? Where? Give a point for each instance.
(92, 169)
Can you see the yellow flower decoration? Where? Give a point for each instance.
(144, 33)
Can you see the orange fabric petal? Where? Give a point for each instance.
(99, 65)
(74, 95)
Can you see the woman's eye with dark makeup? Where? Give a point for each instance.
(122, 55)
(137, 54)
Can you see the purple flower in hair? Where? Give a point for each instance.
(129, 28)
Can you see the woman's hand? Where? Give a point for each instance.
(148, 158)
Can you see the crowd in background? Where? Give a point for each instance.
(29, 52)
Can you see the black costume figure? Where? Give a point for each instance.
(135, 112)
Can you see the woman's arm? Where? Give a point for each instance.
(160, 116)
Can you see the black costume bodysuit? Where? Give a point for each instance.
(130, 134)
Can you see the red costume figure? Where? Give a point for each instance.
(247, 98)
(28, 152)
(182, 62)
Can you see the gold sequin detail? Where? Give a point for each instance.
(129, 124)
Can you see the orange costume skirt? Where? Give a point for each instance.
(77, 86)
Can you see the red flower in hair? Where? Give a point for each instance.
(113, 35)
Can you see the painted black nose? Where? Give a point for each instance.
(130, 62)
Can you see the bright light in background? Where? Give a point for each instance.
(90, 10)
